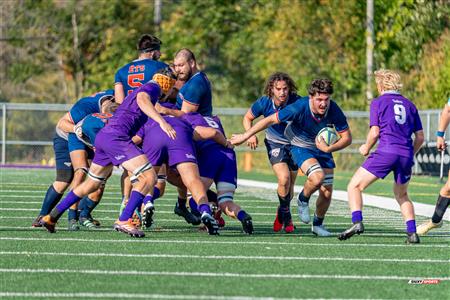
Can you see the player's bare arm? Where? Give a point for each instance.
(371, 140)
(238, 139)
(252, 142)
(66, 124)
(119, 94)
(443, 123)
(206, 133)
(419, 138)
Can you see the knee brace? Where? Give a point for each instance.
(313, 169)
(225, 191)
(162, 178)
(328, 180)
(139, 171)
(64, 175)
(100, 179)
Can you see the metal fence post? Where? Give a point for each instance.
(4, 134)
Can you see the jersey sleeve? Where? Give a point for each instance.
(77, 112)
(289, 113)
(417, 122)
(340, 121)
(257, 108)
(117, 78)
(374, 107)
(193, 93)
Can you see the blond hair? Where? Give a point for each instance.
(388, 80)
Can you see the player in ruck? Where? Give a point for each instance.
(307, 116)
(280, 91)
(114, 146)
(393, 119)
(443, 200)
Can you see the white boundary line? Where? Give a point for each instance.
(420, 209)
(229, 257)
(211, 274)
(215, 242)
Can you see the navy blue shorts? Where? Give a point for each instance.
(300, 155)
(62, 156)
(278, 153)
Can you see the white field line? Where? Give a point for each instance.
(220, 275)
(143, 296)
(216, 242)
(229, 257)
(420, 209)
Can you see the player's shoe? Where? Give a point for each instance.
(73, 225)
(94, 221)
(357, 228)
(423, 229)
(320, 231)
(129, 228)
(413, 238)
(36, 222)
(217, 213)
(277, 225)
(88, 224)
(186, 214)
(48, 223)
(303, 211)
(247, 224)
(210, 223)
(147, 216)
(288, 225)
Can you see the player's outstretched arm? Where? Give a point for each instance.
(238, 139)
(252, 142)
(372, 138)
(206, 133)
(167, 111)
(144, 103)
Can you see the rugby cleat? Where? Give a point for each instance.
(36, 222)
(210, 223)
(427, 226)
(129, 228)
(48, 223)
(217, 213)
(73, 225)
(88, 224)
(247, 224)
(147, 216)
(413, 238)
(187, 215)
(357, 228)
(277, 225)
(303, 211)
(289, 226)
(320, 231)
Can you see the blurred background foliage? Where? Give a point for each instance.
(55, 51)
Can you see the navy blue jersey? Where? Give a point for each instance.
(265, 106)
(91, 125)
(88, 105)
(197, 91)
(304, 126)
(137, 73)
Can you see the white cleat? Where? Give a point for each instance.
(303, 212)
(427, 226)
(320, 231)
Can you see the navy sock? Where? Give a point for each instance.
(303, 198)
(212, 196)
(72, 214)
(285, 200)
(317, 221)
(52, 198)
(241, 215)
(181, 202)
(87, 208)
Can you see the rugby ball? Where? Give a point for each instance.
(329, 135)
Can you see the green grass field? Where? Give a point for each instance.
(177, 261)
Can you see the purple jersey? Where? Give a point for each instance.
(398, 119)
(196, 119)
(129, 117)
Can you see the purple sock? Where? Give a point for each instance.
(148, 198)
(204, 208)
(134, 202)
(411, 226)
(67, 202)
(156, 193)
(357, 216)
(193, 204)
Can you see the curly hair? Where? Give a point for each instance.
(388, 79)
(321, 86)
(279, 76)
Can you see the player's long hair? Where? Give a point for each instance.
(279, 76)
(388, 80)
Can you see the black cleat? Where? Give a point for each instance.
(357, 228)
(187, 215)
(36, 222)
(247, 224)
(211, 224)
(147, 216)
(413, 238)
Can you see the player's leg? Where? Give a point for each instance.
(148, 207)
(79, 158)
(442, 204)
(323, 203)
(191, 178)
(283, 217)
(407, 210)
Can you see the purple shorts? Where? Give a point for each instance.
(114, 148)
(161, 149)
(218, 164)
(381, 164)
